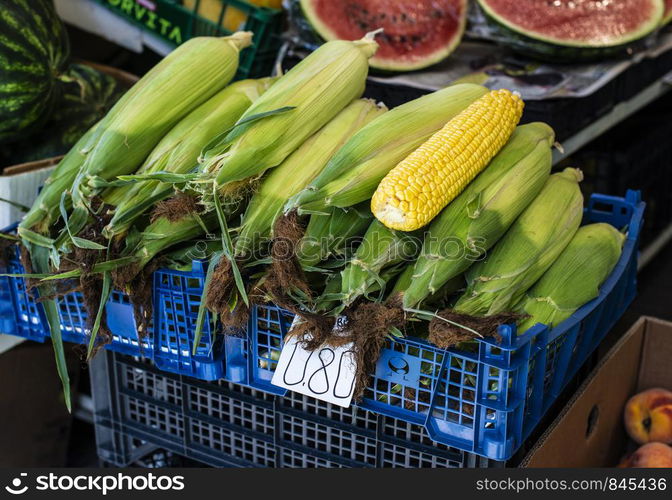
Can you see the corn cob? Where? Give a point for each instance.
(316, 89)
(574, 278)
(183, 80)
(381, 248)
(45, 210)
(297, 170)
(331, 234)
(163, 234)
(211, 62)
(527, 250)
(417, 189)
(182, 257)
(356, 170)
(477, 218)
(434, 300)
(179, 149)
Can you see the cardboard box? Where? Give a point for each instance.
(20, 184)
(590, 431)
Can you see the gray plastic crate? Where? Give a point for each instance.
(139, 409)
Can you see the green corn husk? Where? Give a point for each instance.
(311, 94)
(118, 144)
(331, 234)
(328, 301)
(481, 214)
(434, 301)
(382, 248)
(45, 209)
(354, 173)
(296, 171)
(182, 81)
(574, 278)
(181, 258)
(527, 250)
(405, 278)
(179, 150)
(163, 234)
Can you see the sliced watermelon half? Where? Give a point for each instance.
(578, 23)
(416, 33)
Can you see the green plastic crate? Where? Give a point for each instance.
(175, 23)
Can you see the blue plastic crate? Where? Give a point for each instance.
(177, 297)
(488, 400)
(27, 318)
(137, 407)
(485, 401)
(7, 323)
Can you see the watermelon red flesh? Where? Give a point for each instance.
(593, 23)
(416, 33)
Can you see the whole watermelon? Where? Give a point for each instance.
(82, 102)
(34, 51)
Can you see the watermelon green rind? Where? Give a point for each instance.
(85, 99)
(544, 51)
(393, 65)
(667, 15)
(34, 50)
(594, 48)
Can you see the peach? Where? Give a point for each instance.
(648, 416)
(650, 455)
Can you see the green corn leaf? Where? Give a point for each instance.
(100, 267)
(200, 319)
(153, 236)
(221, 139)
(77, 241)
(88, 244)
(75, 273)
(36, 239)
(200, 222)
(141, 207)
(55, 257)
(51, 312)
(25, 275)
(40, 261)
(9, 237)
(227, 247)
(161, 176)
(312, 212)
(19, 206)
(259, 262)
(100, 183)
(105, 294)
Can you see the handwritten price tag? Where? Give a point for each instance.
(327, 373)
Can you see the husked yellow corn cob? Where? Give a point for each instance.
(483, 212)
(417, 189)
(354, 172)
